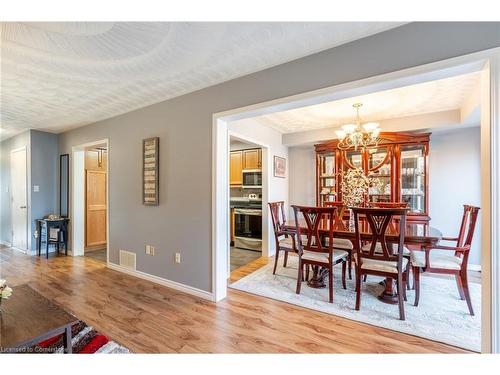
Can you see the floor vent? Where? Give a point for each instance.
(127, 259)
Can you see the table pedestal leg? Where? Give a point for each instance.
(318, 279)
(389, 295)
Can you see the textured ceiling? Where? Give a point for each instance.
(57, 76)
(434, 96)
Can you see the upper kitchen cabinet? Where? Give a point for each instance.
(235, 169)
(252, 159)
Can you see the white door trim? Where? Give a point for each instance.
(77, 173)
(11, 187)
(422, 73)
(495, 200)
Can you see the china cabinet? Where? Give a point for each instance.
(399, 162)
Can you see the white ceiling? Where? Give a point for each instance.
(429, 97)
(58, 76)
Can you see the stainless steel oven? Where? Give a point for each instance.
(252, 178)
(248, 228)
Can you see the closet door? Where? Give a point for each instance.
(95, 208)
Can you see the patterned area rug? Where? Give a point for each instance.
(85, 341)
(440, 316)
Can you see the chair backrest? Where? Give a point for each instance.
(379, 220)
(388, 204)
(341, 208)
(468, 225)
(277, 216)
(317, 219)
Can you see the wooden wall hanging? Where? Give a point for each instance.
(150, 171)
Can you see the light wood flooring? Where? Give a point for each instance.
(150, 318)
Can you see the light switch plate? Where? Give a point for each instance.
(36, 188)
(177, 257)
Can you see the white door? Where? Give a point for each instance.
(18, 188)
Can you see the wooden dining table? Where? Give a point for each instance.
(418, 236)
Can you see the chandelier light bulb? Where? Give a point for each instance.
(349, 128)
(370, 126)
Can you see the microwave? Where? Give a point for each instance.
(252, 178)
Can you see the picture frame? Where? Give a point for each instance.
(279, 167)
(150, 171)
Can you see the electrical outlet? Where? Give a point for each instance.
(151, 250)
(177, 257)
(147, 250)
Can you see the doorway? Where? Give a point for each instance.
(485, 62)
(90, 200)
(96, 202)
(245, 184)
(19, 199)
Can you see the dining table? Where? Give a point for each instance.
(418, 236)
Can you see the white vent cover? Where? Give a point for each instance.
(127, 259)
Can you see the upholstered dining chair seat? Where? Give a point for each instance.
(378, 248)
(341, 243)
(286, 243)
(380, 265)
(438, 259)
(323, 257)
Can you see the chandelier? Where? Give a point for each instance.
(357, 135)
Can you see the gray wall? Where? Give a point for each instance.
(455, 180)
(44, 167)
(182, 221)
(42, 162)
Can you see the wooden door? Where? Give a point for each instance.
(95, 221)
(235, 170)
(252, 159)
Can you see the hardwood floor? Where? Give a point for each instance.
(150, 318)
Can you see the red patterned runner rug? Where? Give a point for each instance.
(86, 340)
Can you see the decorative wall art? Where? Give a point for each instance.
(150, 176)
(279, 167)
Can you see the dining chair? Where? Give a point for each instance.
(315, 251)
(388, 260)
(406, 251)
(342, 243)
(285, 239)
(450, 260)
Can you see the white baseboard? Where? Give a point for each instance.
(165, 282)
(24, 251)
(5, 243)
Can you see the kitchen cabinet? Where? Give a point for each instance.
(399, 162)
(235, 168)
(252, 159)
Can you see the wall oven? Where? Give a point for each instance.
(248, 228)
(252, 178)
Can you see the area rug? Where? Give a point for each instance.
(440, 316)
(86, 340)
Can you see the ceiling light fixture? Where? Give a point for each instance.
(358, 135)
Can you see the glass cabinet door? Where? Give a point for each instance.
(379, 166)
(327, 177)
(354, 159)
(413, 177)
